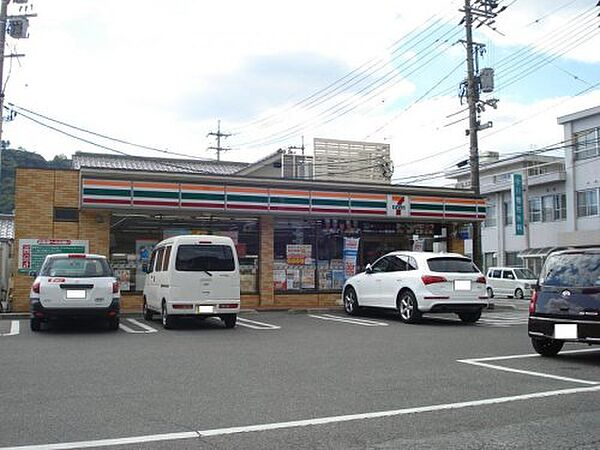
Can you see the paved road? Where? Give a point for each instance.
(318, 380)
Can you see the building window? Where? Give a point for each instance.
(66, 215)
(587, 144)
(489, 260)
(535, 209)
(502, 178)
(507, 212)
(511, 259)
(537, 169)
(560, 206)
(548, 208)
(490, 214)
(587, 203)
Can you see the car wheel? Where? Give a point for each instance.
(229, 320)
(547, 347)
(351, 302)
(519, 293)
(148, 315)
(35, 324)
(470, 317)
(166, 319)
(408, 307)
(113, 323)
(490, 292)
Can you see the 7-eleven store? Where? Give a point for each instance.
(293, 237)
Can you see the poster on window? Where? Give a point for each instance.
(143, 251)
(350, 255)
(298, 254)
(123, 276)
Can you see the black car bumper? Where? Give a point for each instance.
(588, 331)
(457, 307)
(38, 311)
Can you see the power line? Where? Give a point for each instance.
(20, 109)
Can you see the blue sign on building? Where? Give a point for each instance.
(518, 206)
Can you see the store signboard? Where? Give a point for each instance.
(350, 254)
(123, 194)
(518, 207)
(32, 252)
(298, 254)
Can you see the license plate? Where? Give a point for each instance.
(76, 294)
(462, 285)
(565, 331)
(205, 309)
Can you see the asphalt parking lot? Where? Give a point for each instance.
(296, 380)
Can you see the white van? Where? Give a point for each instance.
(517, 282)
(193, 276)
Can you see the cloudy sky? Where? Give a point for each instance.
(160, 74)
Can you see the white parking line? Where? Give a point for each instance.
(480, 362)
(15, 328)
(353, 321)
(255, 325)
(301, 423)
(145, 328)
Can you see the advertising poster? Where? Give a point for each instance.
(143, 251)
(350, 254)
(32, 252)
(123, 276)
(298, 254)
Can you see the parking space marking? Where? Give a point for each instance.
(352, 321)
(255, 325)
(301, 423)
(145, 329)
(15, 328)
(483, 362)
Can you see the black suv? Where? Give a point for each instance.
(565, 306)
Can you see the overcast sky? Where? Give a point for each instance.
(162, 73)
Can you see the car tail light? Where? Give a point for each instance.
(182, 306)
(36, 287)
(430, 279)
(77, 255)
(228, 305)
(115, 287)
(481, 279)
(532, 302)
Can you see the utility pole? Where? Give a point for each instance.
(18, 30)
(482, 12)
(219, 135)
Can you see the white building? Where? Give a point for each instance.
(561, 194)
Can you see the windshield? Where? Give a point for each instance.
(524, 274)
(76, 268)
(579, 269)
(450, 264)
(199, 258)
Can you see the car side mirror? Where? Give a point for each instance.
(369, 269)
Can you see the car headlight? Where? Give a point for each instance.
(527, 286)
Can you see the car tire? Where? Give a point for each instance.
(408, 308)
(470, 317)
(519, 293)
(490, 292)
(113, 323)
(547, 347)
(229, 320)
(166, 319)
(146, 313)
(35, 324)
(351, 305)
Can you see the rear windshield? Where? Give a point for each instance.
(450, 264)
(76, 268)
(524, 274)
(579, 269)
(198, 258)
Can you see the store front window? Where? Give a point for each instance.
(316, 255)
(134, 236)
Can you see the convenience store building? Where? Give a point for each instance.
(297, 239)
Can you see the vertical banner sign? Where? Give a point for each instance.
(350, 255)
(518, 206)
